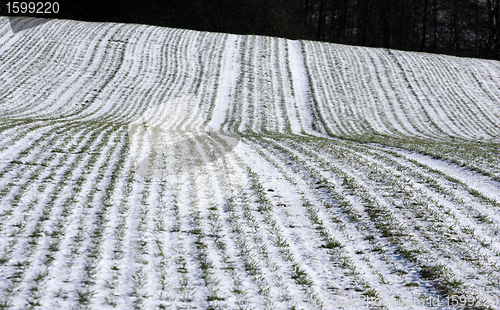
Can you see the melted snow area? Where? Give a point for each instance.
(153, 168)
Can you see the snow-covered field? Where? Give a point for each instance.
(154, 168)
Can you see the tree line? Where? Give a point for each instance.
(455, 27)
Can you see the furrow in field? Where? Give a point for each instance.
(109, 267)
(227, 78)
(8, 150)
(364, 197)
(484, 73)
(219, 280)
(190, 287)
(259, 99)
(359, 86)
(282, 70)
(58, 202)
(459, 182)
(390, 108)
(167, 67)
(438, 238)
(243, 113)
(287, 259)
(255, 246)
(57, 62)
(449, 202)
(30, 59)
(16, 130)
(235, 244)
(476, 186)
(85, 270)
(479, 157)
(390, 85)
(290, 208)
(268, 108)
(68, 97)
(389, 272)
(80, 245)
(211, 261)
(194, 283)
(210, 53)
(257, 263)
(93, 95)
(480, 115)
(264, 118)
(143, 279)
(298, 211)
(487, 187)
(470, 211)
(119, 92)
(45, 205)
(209, 293)
(280, 120)
(438, 106)
(328, 115)
(479, 109)
(450, 100)
(64, 73)
(306, 109)
(20, 171)
(23, 173)
(338, 83)
(252, 249)
(177, 74)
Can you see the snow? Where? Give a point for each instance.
(242, 218)
(299, 76)
(228, 74)
(473, 180)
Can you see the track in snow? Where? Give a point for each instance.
(362, 177)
